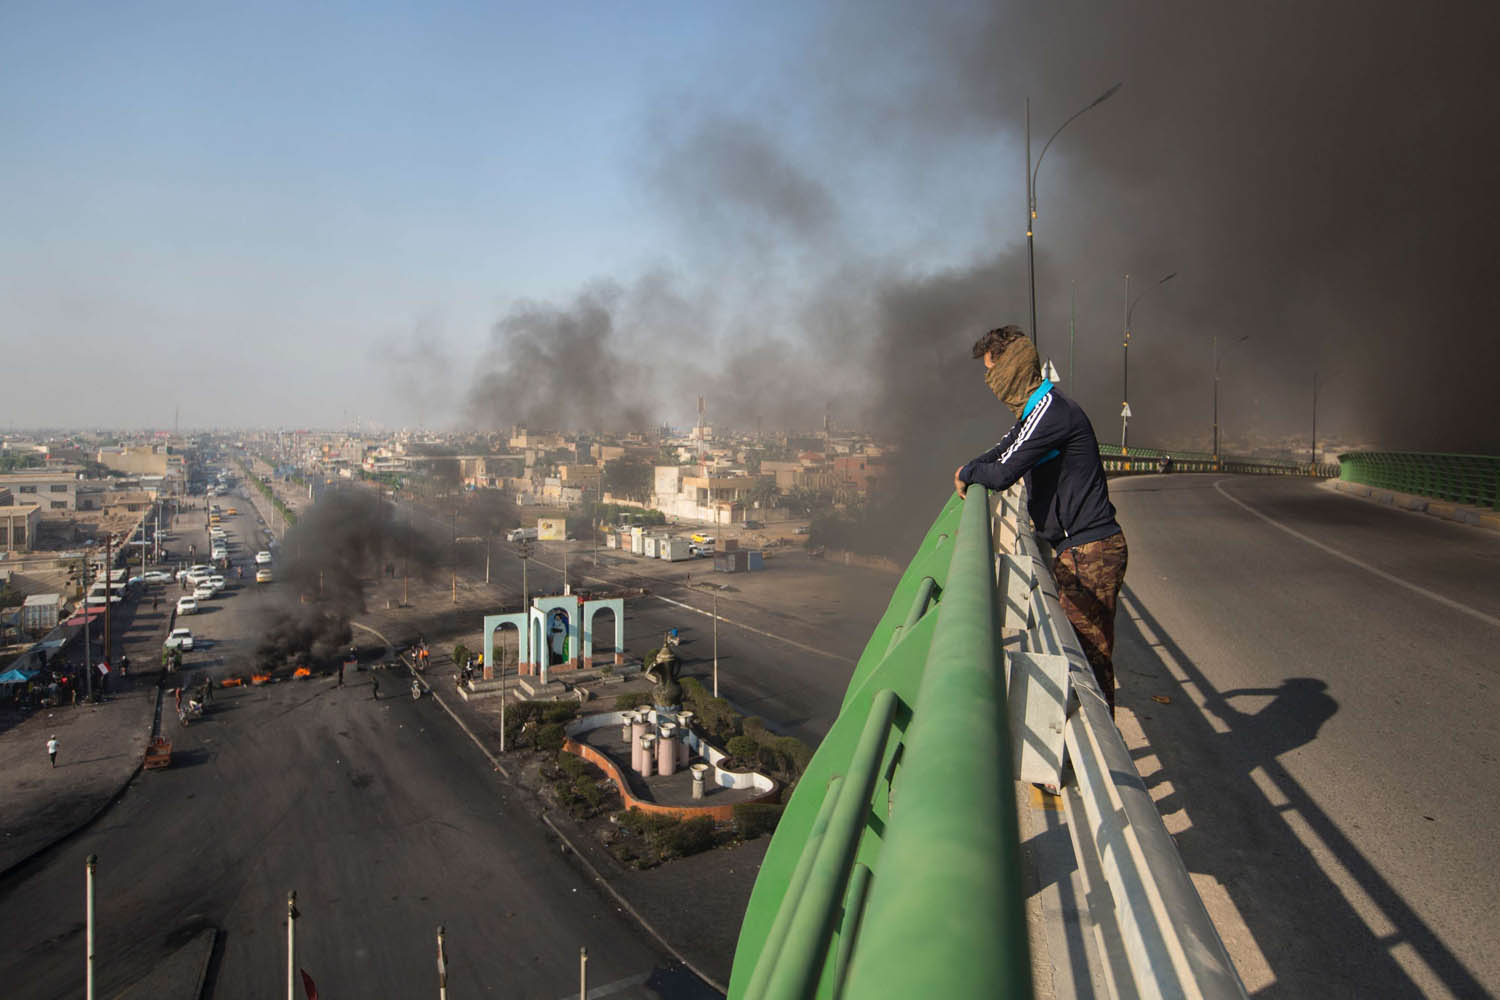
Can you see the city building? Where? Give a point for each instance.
(18, 526)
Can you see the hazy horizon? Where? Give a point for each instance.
(456, 216)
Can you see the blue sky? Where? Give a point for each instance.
(298, 214)
(234, 205)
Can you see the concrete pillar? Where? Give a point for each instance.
(638, 727)
(625, 727)
(666, 750)
(684, 730)
(699, 770)
(648, 755)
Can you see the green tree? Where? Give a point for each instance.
(630, 479)
(764, 494)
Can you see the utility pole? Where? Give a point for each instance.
(1072, 331)
(583, 974)
(88, 655)
(88, 906)
(442, 960)
(1030, 252)
(109, 565)
(291, 946)
(716, 645)
(1125, 372)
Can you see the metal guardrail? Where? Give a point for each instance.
(895, 870)
(1152, 928)
(1470, 479)
(1118, 461)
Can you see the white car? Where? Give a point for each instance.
(262, 558)
(197, 576)
(185, 574)
(181, 638)
(219, 553)
(187, 605)
(203, 592)
(217, 582)
(157, 576)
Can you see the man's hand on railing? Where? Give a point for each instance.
(959, 485)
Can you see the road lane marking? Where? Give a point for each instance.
(1389, 577)
(752, 628)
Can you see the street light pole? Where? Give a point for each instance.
(1031, 175)
(1218, 359)
(716, 645)
(1125, 360)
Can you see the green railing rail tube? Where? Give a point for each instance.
(896, 866)
(804, 951)
(1466, 479)
(946, 915)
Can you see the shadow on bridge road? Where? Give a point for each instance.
(1329, 926)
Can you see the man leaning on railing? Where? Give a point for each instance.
(1052, 444)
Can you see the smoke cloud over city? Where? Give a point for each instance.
(327, 562)
(1308, 194)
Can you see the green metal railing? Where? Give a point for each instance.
(1470, 479)
(895, 870)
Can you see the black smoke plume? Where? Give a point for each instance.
(328, 560)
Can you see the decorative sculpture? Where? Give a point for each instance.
(663, 671)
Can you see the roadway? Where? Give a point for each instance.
(788, 636)
(381, 814)
(1328, 751)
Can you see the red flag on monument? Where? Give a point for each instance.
(308, 985)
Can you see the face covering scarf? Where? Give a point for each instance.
(1016, 375)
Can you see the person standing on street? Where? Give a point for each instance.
(1053, 445)
(52, 749)
(341, 673)
(375, 687)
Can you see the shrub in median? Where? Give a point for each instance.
(751, 819)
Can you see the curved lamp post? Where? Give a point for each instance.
(1125, 358)
(1031, 175)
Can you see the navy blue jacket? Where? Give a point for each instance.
(1054, 447)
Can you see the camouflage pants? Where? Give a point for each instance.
(1088, 585)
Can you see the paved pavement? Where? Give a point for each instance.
(1326, 751)
(101, 744)
(382, 815)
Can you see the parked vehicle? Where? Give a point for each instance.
(203, 592)
(217, 582)
(181, 638)
(187, 605)
(702, 539)
(262, 558)
(262, 575)
(521, 535)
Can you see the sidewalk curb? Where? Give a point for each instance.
(89, 820)
(1445, 510)
(572, 848)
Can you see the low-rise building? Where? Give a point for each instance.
(50, 489)
(18, 526)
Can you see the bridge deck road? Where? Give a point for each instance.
(1328, 751)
